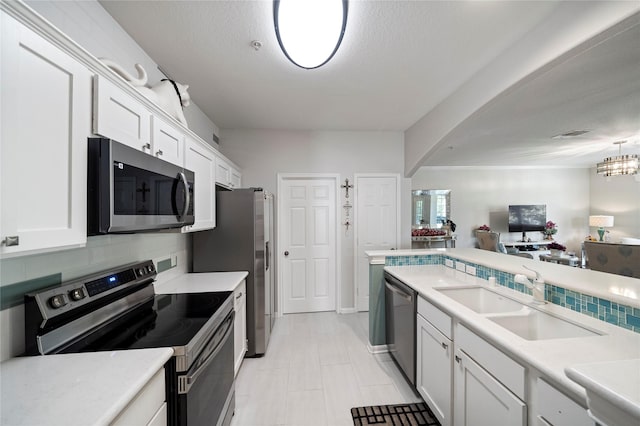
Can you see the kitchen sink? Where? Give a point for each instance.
(532, 324)
(481, 300)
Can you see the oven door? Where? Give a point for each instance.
(205, 392)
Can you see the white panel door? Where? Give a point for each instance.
(308, 245)
(377, 224)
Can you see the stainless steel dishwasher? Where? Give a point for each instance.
(400, 314)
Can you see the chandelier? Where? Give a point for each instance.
(619, 165)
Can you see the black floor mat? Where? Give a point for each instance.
(394, 415)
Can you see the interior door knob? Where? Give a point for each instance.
(286, 253)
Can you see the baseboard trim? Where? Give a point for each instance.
(377, 349)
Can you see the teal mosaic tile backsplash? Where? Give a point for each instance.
(605, 310)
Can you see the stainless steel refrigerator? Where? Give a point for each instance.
(243, 241)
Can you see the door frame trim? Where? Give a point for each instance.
(357, 176)
(281, 177)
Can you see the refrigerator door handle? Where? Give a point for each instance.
(268, 254)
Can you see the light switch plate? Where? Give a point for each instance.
(471, 270)
(448, 262)
(460, 266)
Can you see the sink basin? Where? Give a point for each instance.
(536, 325)
(481, 300)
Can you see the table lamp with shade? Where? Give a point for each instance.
(601, 222)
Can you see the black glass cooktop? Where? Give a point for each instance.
(169, 320)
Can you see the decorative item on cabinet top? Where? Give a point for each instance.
(169, 95)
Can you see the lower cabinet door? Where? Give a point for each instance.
(480, 400)
(434, 369)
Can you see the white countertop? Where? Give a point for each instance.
(549, 357)
(616, 382)
(616, 288)
(75, 389)
(201, 282)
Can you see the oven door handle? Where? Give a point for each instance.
(185, 382)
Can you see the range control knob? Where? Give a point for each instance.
(57, 301)
(77, 294)
(150, 268)
(141, 271)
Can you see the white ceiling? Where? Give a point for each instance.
(398, 60)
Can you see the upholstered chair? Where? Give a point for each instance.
(620, 259)
(488, 240)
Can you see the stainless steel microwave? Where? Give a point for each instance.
(131, 191)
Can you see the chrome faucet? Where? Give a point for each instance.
(537, 286)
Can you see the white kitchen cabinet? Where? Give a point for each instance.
(167, 142)
(227, 175)
(434, 369)
(46, 119)
(148, 406)
(557, 409)
(236, 178)
(480, 399)
(240, 324)
(119, 116)
(202, 161)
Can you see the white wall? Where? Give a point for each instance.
(90, 25)
(618, 196)
(482, 196)
(262, 154)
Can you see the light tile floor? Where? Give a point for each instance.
(317, 367)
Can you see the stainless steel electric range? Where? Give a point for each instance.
(118, 309)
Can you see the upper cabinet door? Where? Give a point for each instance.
(167, 142)
(46, 119)
(201, 160)
(227, 175)
(119, 116)
(223, 173)
(236, 178)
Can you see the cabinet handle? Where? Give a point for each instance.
(457, 358)
(146, 146)
(11, 241)
(159, 153)
(239, 295)
(444, 345)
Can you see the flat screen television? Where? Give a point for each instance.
(528, 217)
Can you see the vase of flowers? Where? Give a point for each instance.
(556, 249)
(550, 229)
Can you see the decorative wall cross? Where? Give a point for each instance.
(346, 186)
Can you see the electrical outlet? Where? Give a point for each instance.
(460, 266)
(448, 263)
(471, 270)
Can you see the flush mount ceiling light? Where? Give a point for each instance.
(310, 31)
(619, 165)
